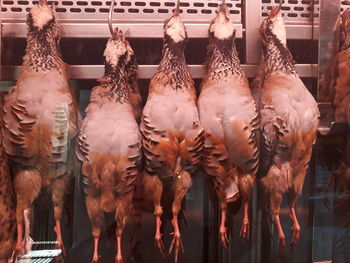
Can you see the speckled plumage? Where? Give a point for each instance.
(7, 205)
(228, 115)
(172, 135)
(109, 143)
(40, 119)
(289, 121)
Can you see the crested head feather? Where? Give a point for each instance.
(41, 15)
(222, 27)
(117, 48)
(175, 29)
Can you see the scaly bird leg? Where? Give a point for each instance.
(59, 239)
(119, 258)
(27, 226)
(158, 238)
(96, 257)
(182, 183)
(245, 222)
(281, 238)
(157, 186)
(296, 227)
(223, 231)
(176, 242)
(19, 245)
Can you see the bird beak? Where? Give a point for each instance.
(274, 12)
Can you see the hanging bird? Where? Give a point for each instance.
(40, 119)
(229, 117)
(110, 141)
(338, 84)
(172, 136)
(7, 204)
(289, 121)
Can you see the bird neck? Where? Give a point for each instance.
(42, 52)
(223, 59)
(277, 58)
(173, 64)
(116, 85)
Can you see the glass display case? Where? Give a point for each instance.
(314, 37)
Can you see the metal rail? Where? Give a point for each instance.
(147, 71)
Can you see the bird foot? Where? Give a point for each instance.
(96, 259)
(18, 251)
(223, 237)
(177, 244)
(118, 259)
(60, 245)
(245, 229)
(296, 235)
(281, 241)
(158, 240)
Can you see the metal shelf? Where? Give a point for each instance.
(147, 71)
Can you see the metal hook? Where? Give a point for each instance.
(177, 9)
(110, 17)
(280, 4)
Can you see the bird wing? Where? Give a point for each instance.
(39, 123)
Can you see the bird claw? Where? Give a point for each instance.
(118, 259)
(282, 242)
(18, 251)
(244, 233)
(159, 244)
(177, 243)
(224, 238)
(96, 259)
(60, 245)
(296, 235)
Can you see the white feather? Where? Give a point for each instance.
(41, 14)
(222, 27)
(115, 49)
(279, 29)
(176, 29)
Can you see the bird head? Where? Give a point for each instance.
(273, 26)
(118, 51)
(41, 18)
(174, 28)
(222, 27)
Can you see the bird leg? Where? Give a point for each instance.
(281, 236)
(27, 226)
(223, 231)
(59, 240)
(19, 245)
(182, 183)
(296, 226)
(123, 205)
(95, 216)
(158, 211)
(223, 207)
(27, 185)
(96, 257)
(245, 222)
